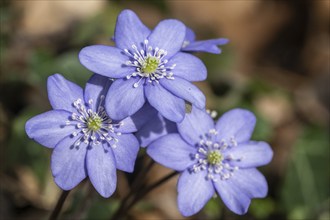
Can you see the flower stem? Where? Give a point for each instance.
(59, 205)
(140, 194)
(137, 183)
(148, 189)
(85, 204)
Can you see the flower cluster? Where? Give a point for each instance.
(138, 97)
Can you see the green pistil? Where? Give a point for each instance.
(214, 157)
(94, 123)
(150, 65)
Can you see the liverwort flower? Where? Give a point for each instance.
(86, 141)
(156, 127)
(209, 46)
(147, 66)
(215, 158)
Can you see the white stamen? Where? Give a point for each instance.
(206, 157)
(139, 58)
(93, 127)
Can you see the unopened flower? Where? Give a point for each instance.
(215, 158)
(209, 46)
(86, 141)
(147, 66)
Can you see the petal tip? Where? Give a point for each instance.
(54, 78)
(105, 194)
(66, 186)
(28, 125)
(269, 152)
(126, 12)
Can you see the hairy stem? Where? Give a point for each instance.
(59, 205)
(148, 189)
(140, 193)
(137, 183)
(85, 204)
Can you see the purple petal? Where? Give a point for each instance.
(195, 125)
(125, 152)
(194, 191)
(251, 182)
(102, 169)
(237, 123)
(172, 151)
(188, 67)
(168, 35)
(68, 163)
(105, 60)
(138, 120)
(156, 127)
(201, 46)
(169, 105)
(209, 46)
(49, 128)
(251, 154)
(218, 41)
(129, 30)
(215, 42)
(185, 90)
(190, 35)
(96, 87)
(236, 200)
(62, 93)
(123, 99)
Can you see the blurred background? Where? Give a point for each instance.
(276, 65)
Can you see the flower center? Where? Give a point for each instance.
(94, 122)
(150, 65)
(93, 127)
(214, 157)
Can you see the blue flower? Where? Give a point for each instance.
(215, 158)
(156, 127)
(209, 46)
(147, 66)
(86, 141)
